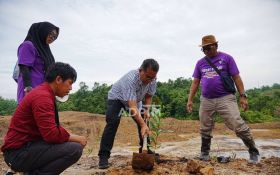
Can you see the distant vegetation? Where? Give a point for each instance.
(264, 102)
(7, 107)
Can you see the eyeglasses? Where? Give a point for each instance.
(53, 35)
(149, 78)
(207, 48)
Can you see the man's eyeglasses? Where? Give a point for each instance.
(149, 78)
(53, 35)
(207, 48)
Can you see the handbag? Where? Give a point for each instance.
(226, 79)
(16, 72)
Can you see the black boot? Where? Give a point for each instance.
(205, 149)
(248, 140)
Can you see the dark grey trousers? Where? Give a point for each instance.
(113, 118)
(42, 158)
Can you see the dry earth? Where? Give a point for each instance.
(180, 144)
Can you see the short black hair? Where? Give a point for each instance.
(150, 63)
(64, 70)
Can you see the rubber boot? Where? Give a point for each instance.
(253, 151)
(248, 140)
(205, 149)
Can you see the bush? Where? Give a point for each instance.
(7, 107)
(256, 117)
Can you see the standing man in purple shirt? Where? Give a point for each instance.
(35, 56)
(215, 98)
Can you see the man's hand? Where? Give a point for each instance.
(145, 130)
(137, 116)
(80, 139)
(189, 106)
(193, 90)
(240, 87)
(147, 115)
(27, 90)
(244, 103)
(83, 141)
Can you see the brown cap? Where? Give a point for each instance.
(207, 40)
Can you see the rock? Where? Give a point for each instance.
(208, 170)
(193, 166)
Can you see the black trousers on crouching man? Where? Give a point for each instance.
(42, 158)
(113, 117)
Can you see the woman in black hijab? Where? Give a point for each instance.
(35, 56)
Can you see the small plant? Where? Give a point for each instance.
(89, 151)
(218, 149)
(233, 155)
(214, 156)
(155, 125)
(218, 153)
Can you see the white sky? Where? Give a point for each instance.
(104, 39)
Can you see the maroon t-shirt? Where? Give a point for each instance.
(34, 120)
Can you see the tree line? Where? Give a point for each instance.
(171, 96)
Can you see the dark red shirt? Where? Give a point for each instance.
(34, 120)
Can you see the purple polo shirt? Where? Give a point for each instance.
(29, 56)
(211, 83)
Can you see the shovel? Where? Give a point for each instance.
(143, 161)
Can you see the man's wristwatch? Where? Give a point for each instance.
(27, 89)
(244, 95)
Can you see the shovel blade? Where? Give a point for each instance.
(143, 161)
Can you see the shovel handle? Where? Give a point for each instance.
(145, 138)
(145, 142)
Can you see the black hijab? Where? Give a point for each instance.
(37, 34)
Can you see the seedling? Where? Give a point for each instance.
(155, 125)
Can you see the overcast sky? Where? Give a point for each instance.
(104, 39)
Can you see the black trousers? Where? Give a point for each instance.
(113, 117)
(42, 158)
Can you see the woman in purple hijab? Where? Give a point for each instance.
(35, 56)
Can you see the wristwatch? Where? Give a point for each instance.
(244, 95)
(27, 89)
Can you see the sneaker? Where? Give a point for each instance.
(103, 163)
(204, 156)
(10, 172)
(254, 158)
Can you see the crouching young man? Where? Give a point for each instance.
(35, 142)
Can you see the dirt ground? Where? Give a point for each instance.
(180, 144)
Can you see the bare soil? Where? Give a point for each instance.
(179, 145)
